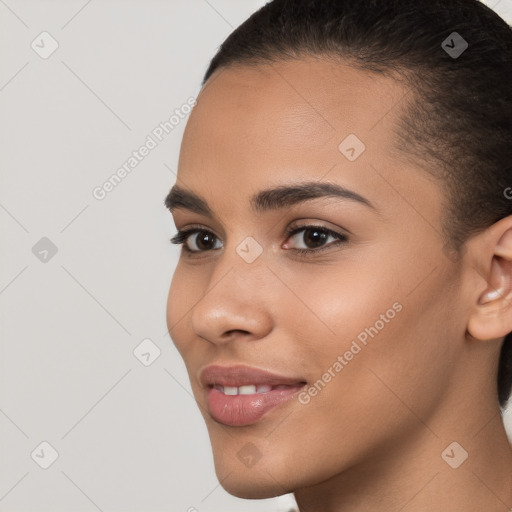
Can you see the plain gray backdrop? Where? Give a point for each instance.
(96, 411)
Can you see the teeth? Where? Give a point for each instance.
(228, 390)
(249, 389)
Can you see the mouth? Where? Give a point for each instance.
(243, 395)
(248, 389)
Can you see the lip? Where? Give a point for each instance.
(242, 410)
(241, 375)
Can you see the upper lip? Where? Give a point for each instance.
(241, 375)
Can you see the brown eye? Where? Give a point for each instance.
(314, 238)
(203, 242)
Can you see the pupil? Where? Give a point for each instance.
(204, 238)
(317, 238)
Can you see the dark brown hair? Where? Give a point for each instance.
(459, 123)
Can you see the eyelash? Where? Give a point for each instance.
(181, 237)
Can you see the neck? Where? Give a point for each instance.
(415, 474)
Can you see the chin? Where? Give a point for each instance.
(249, 488)
(257, 482)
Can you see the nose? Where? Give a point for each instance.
(235, 305)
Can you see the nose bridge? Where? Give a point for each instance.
(244, 265)
(235, 297)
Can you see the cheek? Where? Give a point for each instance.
(180, 302)
(338, 303)
(389, 357)
(372, 352)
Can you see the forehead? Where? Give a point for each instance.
(255, 126)
(310, 101)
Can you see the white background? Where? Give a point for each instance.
(129, 437)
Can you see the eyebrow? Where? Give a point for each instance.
(276, 198)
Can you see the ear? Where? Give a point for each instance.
(491, 316)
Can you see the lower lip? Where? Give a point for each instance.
(240, 410)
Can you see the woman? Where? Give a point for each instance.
(343, 298)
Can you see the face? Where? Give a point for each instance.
(345, 328)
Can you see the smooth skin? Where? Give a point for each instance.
(373, 437)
